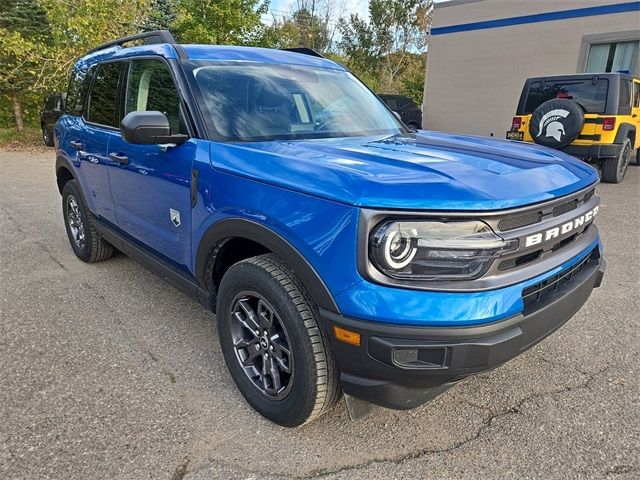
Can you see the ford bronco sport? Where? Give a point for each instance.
(339, 251)
(590, 116)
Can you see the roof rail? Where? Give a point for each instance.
(304, 51)
(158, 36)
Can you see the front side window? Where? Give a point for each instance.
(590, 95)
(150, 87)
(636, 94)
(103, 100)
(256, 102)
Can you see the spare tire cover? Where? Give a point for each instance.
(556, 123)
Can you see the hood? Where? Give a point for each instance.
(423, 171)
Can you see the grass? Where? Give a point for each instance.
(11, 139)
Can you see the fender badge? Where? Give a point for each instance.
(175, 217)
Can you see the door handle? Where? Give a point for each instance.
(119, 158)
(75, 144)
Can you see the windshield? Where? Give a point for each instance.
(256, 102)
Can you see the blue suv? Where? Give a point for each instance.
(340, 251)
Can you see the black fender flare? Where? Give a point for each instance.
(624, 131)
(64, 162)
(251, 230)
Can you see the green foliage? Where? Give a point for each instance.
(385, 47)
(221, 21)
(309, 25)
(162, 15)
(30, 137)
(41, 39)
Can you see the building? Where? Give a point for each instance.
(481, 52)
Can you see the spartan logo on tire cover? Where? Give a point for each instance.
(550, 126)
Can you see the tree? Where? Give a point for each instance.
(385, 46)
(162, 15)
(311, 24)
(221, 21)
(23, 43)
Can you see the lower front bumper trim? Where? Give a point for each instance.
(403, 367)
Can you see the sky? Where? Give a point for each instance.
(280, 7)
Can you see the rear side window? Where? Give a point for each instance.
(392, 103)
(103, 101)
(625, 94)
(151, 88)
(591, 96)
(77, 91)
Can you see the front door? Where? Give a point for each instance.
(151, 183)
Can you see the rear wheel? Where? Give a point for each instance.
(78, 220)
(276, 351)
(613, 169)
(638, 156)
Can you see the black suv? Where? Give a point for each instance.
(409, 112)
(53, 108)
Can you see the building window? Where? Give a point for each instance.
(612, 57)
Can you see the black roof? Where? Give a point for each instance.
(625, 76)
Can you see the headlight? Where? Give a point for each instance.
(435, 250)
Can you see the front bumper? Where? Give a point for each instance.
(402, 367)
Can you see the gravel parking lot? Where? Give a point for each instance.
(108, 372)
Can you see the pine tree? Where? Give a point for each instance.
(162, 15)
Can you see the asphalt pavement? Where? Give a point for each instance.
(107, 372)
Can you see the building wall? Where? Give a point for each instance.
(474, 78)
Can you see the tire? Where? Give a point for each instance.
(413, 126)
(556, 123)
(310, 388)
(638, 157)
(47, 136)
(613, 169)
(78, 220)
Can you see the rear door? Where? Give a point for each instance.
(635, 110)
(151, 183)
(100, 125)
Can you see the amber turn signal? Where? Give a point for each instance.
(347, 336)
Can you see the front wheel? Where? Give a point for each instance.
(276, 351)
(613, 169)
(47, 136)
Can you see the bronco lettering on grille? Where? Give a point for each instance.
(563, 229)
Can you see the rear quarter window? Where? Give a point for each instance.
(591, 96)
(624, 101)
(78, 89)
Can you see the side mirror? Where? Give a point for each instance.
(148, 128)
(397, 115)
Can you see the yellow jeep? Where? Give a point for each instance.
(593, 116)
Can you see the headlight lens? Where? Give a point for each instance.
(435, 250)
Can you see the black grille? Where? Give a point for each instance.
(540, 291)
(565, 207)
(511, 223)
(588, 195)
(519, 261)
